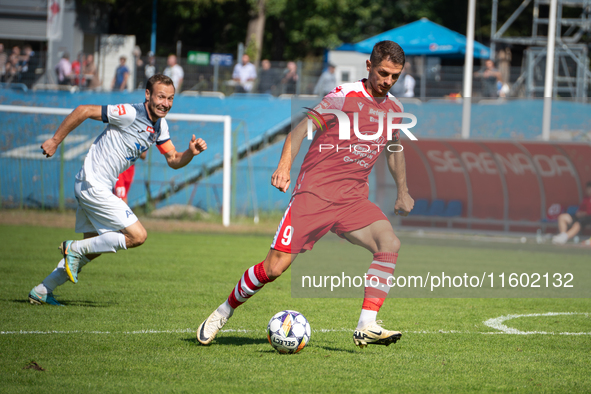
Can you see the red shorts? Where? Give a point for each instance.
(124, 182)
(308, 218)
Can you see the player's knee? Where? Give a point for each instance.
(389, 244)
(395, 242)
(277, 265)
(137, 238)
(142, 236)
(274, 271)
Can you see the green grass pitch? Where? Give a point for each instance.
(129, 326)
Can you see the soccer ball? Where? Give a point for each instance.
(288, 332)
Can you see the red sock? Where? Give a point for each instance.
(381, 268)
(252, 281)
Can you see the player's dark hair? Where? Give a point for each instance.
(387, 50)
(158, 78)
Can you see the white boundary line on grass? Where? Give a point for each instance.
(191, 330)
(497, 324)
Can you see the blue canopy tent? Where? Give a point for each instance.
(423, 38)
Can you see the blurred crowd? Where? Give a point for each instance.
(18, 65)
(274, 81)
(81, 72)
(24, 65)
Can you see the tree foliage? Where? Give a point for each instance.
(294, 28)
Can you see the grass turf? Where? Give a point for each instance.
(129, 327)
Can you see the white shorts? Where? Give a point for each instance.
(99, 210)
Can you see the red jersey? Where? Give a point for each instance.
(337, 170)
(585, 206)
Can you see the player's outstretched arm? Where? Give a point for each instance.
(291, 147)
(76, 117)
(178, 160)
(397, 166)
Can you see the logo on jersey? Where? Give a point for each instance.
(150, 129)
(129, 213)
(345, 124)
(314, 116)
(365, 127)
(118, 110)
(132, 155)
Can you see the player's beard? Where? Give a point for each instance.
(379, 88)
(153, 107)
(382, 89)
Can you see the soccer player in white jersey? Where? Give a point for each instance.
(107, 222)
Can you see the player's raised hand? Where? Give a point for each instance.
(197, 145)
(404, 204)
(280, 179)
(49, 147)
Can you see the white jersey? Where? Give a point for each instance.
(129, 133)
(175, 73)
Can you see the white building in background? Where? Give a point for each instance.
(349, 65)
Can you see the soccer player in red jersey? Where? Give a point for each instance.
(331, 193)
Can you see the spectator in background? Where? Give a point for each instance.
(201, 85)
(504, 63)
(150, 67)
(64, 69)
(290, 78)
(405, 85)
(490, 75)
(245, 74)
(175, 72)
(91, 73)
(408, 82)
(139, 65)
(17, 52)
(267, 78)
(30, 62)
(11, 71)
(77, 73)
(327, 81)
(121, 75)
(3, 60)
(570, 225)
(18, 62)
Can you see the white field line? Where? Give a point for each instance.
(496, 323)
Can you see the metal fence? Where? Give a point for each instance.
(440, 81)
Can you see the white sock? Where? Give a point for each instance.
(109, 242)
(57, 278)
(226, 310)
(366, 317)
